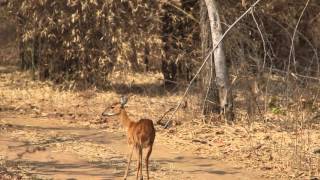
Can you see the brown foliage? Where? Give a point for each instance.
(78, 40)
(82, 41)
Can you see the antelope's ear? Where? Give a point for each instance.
(123, 101)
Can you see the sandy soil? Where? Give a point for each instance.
(37, 142)
(51, 132)
(52, 148)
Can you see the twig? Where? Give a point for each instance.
(296, 74)
(262, 38)
(293, 36)
(167, 80)
(184, 12)
(292, 44)
(302, 35)
(207, 57)
(264, 58)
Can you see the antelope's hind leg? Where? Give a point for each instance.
(128, 163)
(149, 149)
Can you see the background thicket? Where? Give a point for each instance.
(82, 42)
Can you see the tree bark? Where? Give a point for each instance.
(133, 59)
(209, 93)
(222, 79)
(146, 56)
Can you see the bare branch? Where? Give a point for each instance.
(292, 45)
(293, 37)
(206, 59)
(184, 12)
(262, 38)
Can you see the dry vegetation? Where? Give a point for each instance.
(276, 130)
(280, 145)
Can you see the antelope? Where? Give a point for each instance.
(140, 134)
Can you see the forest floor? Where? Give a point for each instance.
(50, 133)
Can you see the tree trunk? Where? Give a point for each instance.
(168, 66)
(208, 87)
(133, 59)
(23, 62)
(222, 80)
(146, 56)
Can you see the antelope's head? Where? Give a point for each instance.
(115, 108)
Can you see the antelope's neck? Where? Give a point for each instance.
(124, 118)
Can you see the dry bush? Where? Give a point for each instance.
(81, 41)
(7, 40)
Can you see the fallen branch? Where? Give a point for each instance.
(295, 75)
(160, 119)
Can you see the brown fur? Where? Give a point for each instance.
(140, 135)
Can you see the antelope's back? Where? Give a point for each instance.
(142, 133)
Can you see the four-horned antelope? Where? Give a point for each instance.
(140, 134)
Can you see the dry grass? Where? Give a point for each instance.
(282, 146)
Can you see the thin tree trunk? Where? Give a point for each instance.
(133, 56)
(146, 56)
(209, 92)
(222, 80)
(23, 62)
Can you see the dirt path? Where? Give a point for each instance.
(38, 142)
(55, 149)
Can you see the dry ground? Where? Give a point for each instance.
(47, 132)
